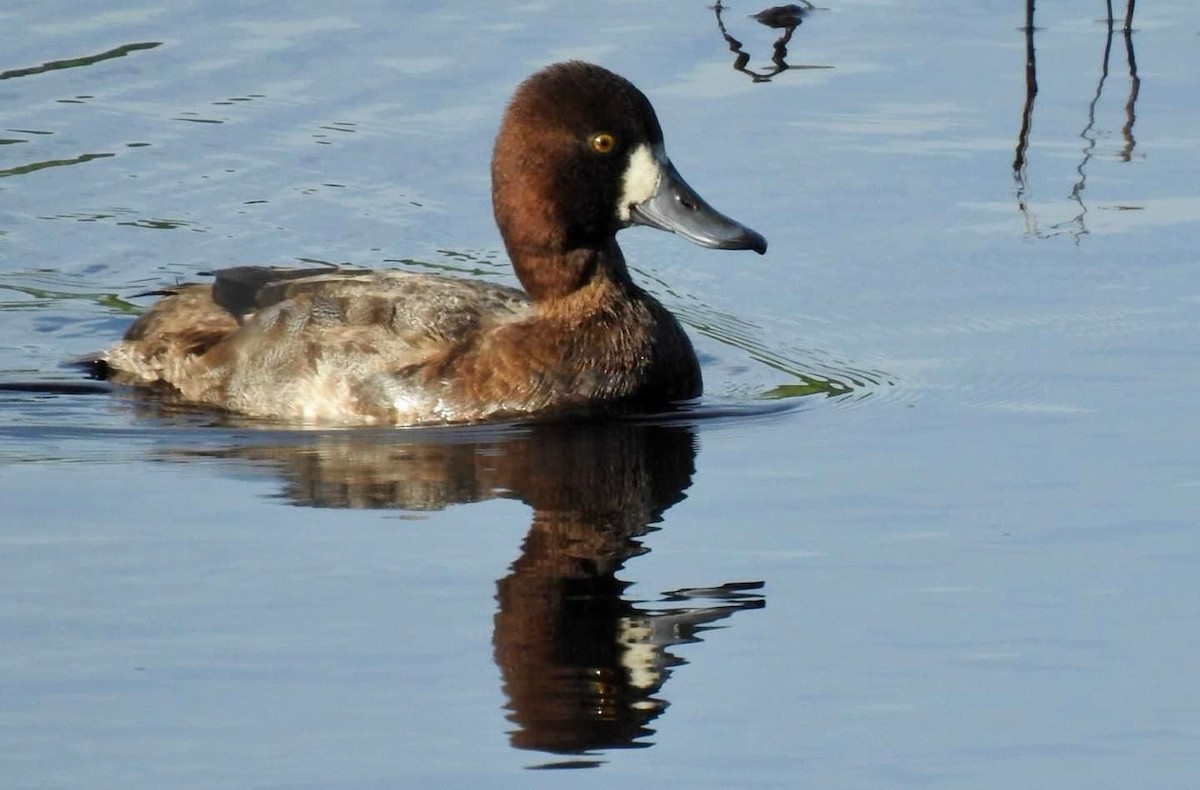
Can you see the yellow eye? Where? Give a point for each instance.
(603, 143)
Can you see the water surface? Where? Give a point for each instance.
(934, 524)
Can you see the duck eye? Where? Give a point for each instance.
(602, 143)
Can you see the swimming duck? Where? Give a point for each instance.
(579, 156)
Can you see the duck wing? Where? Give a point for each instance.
(242, 290)
(261, 340)
(417, 308)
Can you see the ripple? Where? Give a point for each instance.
(805, 372)
(126, 217)
(1096, 322)
(42, 290)
(33, 167)
(86, 60)
(39, 415)
(192, 117)
(473, 263)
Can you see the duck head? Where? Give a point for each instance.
(579, 156)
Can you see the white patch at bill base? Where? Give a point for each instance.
(641, 178)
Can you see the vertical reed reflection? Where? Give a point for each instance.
(1076, 226)
(1135, 86)
(1030, 93)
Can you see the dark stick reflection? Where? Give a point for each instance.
(1076, 226)
(1135, 86)
(1031, 89)
(786, 18)
(582, 665)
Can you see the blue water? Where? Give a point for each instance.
(934, 525)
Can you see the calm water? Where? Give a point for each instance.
(936, 524)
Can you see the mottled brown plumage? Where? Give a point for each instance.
(360, 347)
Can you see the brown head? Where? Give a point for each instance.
(579, 156)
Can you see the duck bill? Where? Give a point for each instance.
(676, 207)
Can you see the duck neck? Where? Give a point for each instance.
(554, 272)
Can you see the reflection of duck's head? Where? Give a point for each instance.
(562, 630)
(579, 155)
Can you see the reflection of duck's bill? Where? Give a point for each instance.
(676, 207)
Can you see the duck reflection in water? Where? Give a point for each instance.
(581, 664)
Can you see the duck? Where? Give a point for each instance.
(579, 156)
